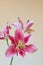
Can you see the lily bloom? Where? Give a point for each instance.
(5, 32)
(26, 28)
(19, 44)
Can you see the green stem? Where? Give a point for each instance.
(11, 61)
(8, 46)
(7, 42)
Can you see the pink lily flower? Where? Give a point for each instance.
(26, 28)
(19, 44)
(5, 32)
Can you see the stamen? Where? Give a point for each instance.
(20, 44)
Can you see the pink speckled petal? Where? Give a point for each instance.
(11, 51)
(12, 39)
(26, 38)
(22, 52)
(19, 35)
(30, 48)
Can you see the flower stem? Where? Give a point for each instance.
(8, 46)
(11, 61)
(7, 42)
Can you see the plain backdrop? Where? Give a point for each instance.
(25, 9)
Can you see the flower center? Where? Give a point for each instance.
(20, 44)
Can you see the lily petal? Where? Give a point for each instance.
(11, 51)
(6, 29)
(12, 39)
(26, 38)
(20, 21)
(22, 52)
(16, 25)
(30, 48)
(1, 36)
(28, 25)
(19, 35)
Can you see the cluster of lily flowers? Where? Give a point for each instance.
(19, 42)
